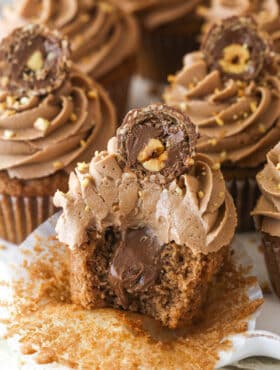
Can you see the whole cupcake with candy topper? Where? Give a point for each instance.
(231, 91)
(51, 117)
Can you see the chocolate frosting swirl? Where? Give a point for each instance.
(194, 209)
(155, 13)
(267, 211)
(266, 13)
(101, 34)
(43, 132)
(239, 120)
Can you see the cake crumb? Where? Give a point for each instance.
(46, 356)
(45, 319)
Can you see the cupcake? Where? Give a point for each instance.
(266, 13)
(52, 116)
(267, 214)
(104, 39)
(148, 221)
(231, 91)
(169, 30)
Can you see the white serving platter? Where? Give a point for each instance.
(254, 342)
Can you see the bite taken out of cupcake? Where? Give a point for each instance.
(52, 116)
(231, 91)
(104, 38)
(267, 214)
(149, 221)
(266, 14)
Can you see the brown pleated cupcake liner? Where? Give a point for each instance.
(19, 216)
(272, 258)
(245, 193)
(119, 93)
(117, 84)
(162, 52)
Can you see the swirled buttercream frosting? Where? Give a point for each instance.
(155, 13)
(266, 13)
(231, 91)
(101, 34)
(190, 206)
(267, 211)
(51, 114)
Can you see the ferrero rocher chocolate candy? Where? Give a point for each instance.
(157, 139)
(237, 48)
(33, 61)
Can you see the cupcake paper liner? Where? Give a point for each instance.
(272, 258)
(245, 193)
(117, 83)
(19, 216)
(162, 51)
(119, 92)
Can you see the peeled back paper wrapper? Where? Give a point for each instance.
(35, 286)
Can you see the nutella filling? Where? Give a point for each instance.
(135, 265)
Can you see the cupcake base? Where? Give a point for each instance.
(24, 205)
(19, 216)
(272, 258)
(244, 190)
(117, 83)
(175, 299)
(163, 48)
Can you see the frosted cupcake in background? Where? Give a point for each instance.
(231, 91)
(267, 214)
(266, 13)
(51, 117)
(170, 28)
(104, 38)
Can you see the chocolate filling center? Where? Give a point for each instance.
(135, 264)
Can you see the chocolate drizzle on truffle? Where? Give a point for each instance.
(135, 265)
(237, 48)
(34, 61)
(157, 139)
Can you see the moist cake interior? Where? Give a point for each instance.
(169, 296)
